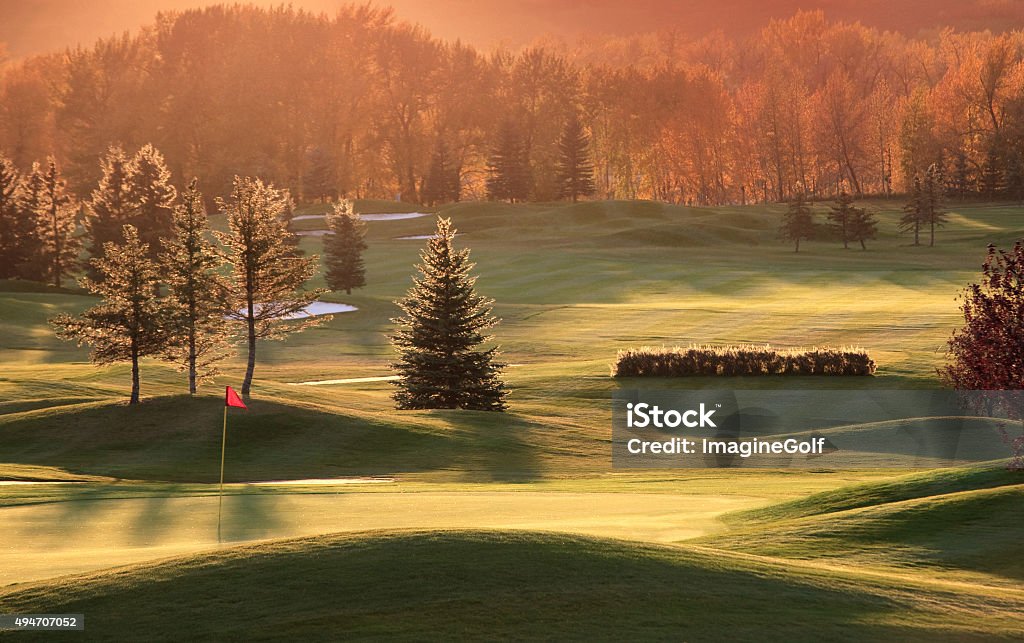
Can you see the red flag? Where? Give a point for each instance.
(231, 398)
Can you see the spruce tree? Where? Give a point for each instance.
(344, 247)
(151, 193)
(913, 211)
(267, 275)
(508, 168)
(18, 235)
(128, 324)
(960, 183)
(841, 217)
(320, 180)
(932, 212)
(198, 295)
(862, 226)
(798, 220)
(58, 215)
(575, 167)
(443, 183)
(440, 363)
(32, 206)
(991, 174)
(112, 204)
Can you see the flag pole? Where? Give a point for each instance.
(220, 494)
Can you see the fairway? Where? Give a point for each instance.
(854, 551)
(85, 535)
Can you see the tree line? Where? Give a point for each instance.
(360, 104)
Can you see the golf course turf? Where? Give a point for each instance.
(513, 525)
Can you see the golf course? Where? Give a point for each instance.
(341, 514)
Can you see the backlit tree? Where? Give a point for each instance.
(344, 247)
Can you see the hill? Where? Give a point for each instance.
(444, 585)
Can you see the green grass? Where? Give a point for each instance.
(814, 554)
(487, 585)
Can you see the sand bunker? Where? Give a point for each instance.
(314, 309)
(351, 380)
(325, 481)
(414, 237)
(312, 233)
(394, 216)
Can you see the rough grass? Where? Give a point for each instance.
(487, 585)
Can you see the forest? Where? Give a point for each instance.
(361, 104)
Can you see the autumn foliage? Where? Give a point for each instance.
(740, 360)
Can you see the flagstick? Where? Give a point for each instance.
(220, 494)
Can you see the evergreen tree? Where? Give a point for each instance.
(575, 168)
(320, 180)
(508, 168)
(1015, 175)
(18, 236)
(960, 182)
(932, 212)
(862, 226)
(913, 211)
(991, 174)
(798, 221)
(267, 275)
(198, 294)
(33, 208)
(112, 205)
(440, 365)
(128, 323)
(151, 193)
(58, 215)
(841, 217)
(344, 247)
(443, 183)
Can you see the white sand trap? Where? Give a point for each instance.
(351, 380)
(314, 309)
(13, 482)
(312, 233)
(423, 236)
(394, 216)
(307, 217)
(325, 481)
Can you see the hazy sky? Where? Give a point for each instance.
(33, 26)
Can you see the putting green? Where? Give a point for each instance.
(52, 539)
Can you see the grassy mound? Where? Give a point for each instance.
(475, 585)
(969, 531)
(919, 485)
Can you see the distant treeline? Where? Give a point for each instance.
(740, 360)
(359, 104)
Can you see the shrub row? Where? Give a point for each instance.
(741, 360)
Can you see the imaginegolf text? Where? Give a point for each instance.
(744, 449)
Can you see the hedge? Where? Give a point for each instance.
(740, 360)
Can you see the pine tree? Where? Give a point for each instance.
(1015, 175)
(798, 221)
(344, 247)
(991, 174)
(960, 183)
(59, 215)
(151, 192)
(440, 365)
(267, 275)
(18, 235)
(112, 204)
(198, 295)
(508, 168)
(913, 211)
(841, 217)
(320, 180)
(575, 168)
(862, 226)
(932, 211)
(128, 324)
(33, 208)
(443, 183)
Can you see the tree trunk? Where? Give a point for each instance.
(862, 245)
(251, 365)
(56, 249)
(192, 361)
(135, 373)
